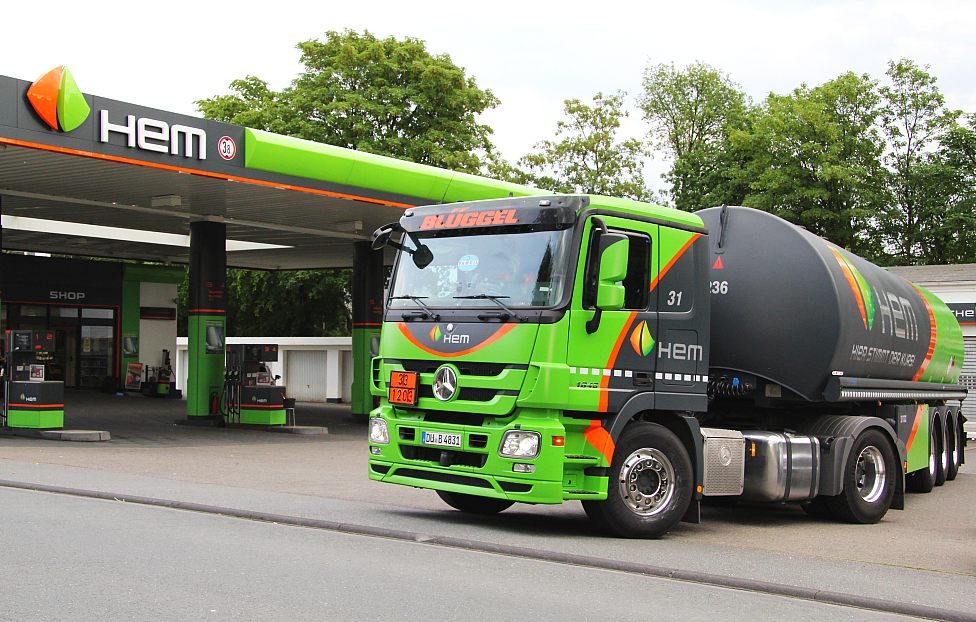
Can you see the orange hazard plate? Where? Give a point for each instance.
(403, 388)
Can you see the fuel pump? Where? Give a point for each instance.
(31, 401)
(251, 394)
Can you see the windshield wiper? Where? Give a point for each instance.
(495, 299)
(427, 313)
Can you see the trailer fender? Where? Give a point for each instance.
(837, 434)
(684, 426)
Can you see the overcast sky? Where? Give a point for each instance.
(531, 54)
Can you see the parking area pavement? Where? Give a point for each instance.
(933, 535)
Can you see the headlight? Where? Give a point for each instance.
(378, 431)
(520, 444)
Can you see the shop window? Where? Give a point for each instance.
(97, 314)
(65, 312)
(33, 311)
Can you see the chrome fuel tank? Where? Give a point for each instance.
(780, 467)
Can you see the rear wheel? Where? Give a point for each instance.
(960, 440)
(941, 455)
(952, 448)
(869, 480)
(650, 485)
(816, 507)
(473, 504)
(924, 480)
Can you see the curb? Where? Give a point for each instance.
(77, 436)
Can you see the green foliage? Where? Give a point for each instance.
(307, 303)
(312, 303)
(589, 158)
(815, 159)
(386, 96)
(693, 113)
(921, 180)
(951, 218)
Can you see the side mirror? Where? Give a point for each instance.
(607, 269)
(422, 256)
(381, 237)
(613, 269)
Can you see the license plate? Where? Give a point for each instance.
(441, 438)
(403, 388)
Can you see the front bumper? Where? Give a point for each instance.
(561, 471)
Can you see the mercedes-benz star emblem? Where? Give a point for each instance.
(445, 383)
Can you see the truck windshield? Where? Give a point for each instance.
(522, 269)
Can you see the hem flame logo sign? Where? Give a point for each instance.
(641, 340)
(58, 101)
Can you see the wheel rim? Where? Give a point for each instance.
(932, 458)
(647, 482)
(870, 474)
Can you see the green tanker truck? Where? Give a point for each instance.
(643, 360)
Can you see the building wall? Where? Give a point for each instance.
(320, 368)
(156, 335)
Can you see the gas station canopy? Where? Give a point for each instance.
(89, 176)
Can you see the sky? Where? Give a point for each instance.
(532, 55)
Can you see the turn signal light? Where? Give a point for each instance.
(558, 441)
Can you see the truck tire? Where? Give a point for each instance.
(816, 508)
(869, 480)
(941, 455)
(952, 448)
(650, 484)
(924, 480)
(473, 504)
(960, 441)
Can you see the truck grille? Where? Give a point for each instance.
(470, 394)
(444, 457)
(466, 368)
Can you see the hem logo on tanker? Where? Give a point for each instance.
(59, 102)
(898, 317)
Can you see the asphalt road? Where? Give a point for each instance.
(66, 558)
(924, 555)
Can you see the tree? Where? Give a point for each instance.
(951, 227)
(915, 120)
(386, 96)
(310, 303)
(692, 113)
(815, 159)
(590, 158)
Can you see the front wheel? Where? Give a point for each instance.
(650, 485)
(473, 504)
(869, 480)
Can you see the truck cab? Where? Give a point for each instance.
(520, 338)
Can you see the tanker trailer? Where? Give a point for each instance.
(840, 375)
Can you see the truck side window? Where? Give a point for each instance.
(638, 267)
